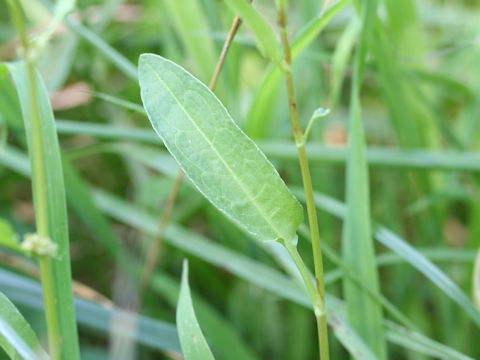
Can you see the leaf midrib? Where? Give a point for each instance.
(237, 180)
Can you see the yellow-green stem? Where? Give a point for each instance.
(39, 185)
(53, 329)
(307, 185)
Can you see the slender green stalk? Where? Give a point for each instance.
(307, 185)
(54, 335)
(41, 213)
(39, 187)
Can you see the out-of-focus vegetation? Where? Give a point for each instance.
(406, 73)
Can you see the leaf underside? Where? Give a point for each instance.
(220, 160)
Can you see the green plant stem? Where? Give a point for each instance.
(39, 185)
(318, 306)
(54, 337)
(41, 213)
(307, 185)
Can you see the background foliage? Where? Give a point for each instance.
(420, 106)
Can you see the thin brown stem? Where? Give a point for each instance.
(155, 247)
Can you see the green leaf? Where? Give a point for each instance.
(364, 313)
(223, 163)
(193, 342)
(265, 37)
(56, 203)
(16, 336)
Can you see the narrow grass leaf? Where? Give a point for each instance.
(16, 336)
(194, 345)
(58, 230)
(265, 37)
(421, 263)
(364, 313)
(417, 342)
(151, 332)
(221, 161)
(340, 59)
(222, 336)
(388, 157)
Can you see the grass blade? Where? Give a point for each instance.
(56, 205)
(193, 342)
(419, 343)
(388, 157)
(152, 333)
(265, 37)
(16, 336)
(211, 149)
(222, 336)
(364, 313)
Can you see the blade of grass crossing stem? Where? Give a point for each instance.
(61, 279)
(16, 336)
(364, 313)
(211, 149)
(265, 37)
(285, 150)
(193, 342)
(260, 114)
(152, 333)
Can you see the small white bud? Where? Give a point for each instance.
(39, 245)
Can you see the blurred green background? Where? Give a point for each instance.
(421, 91)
